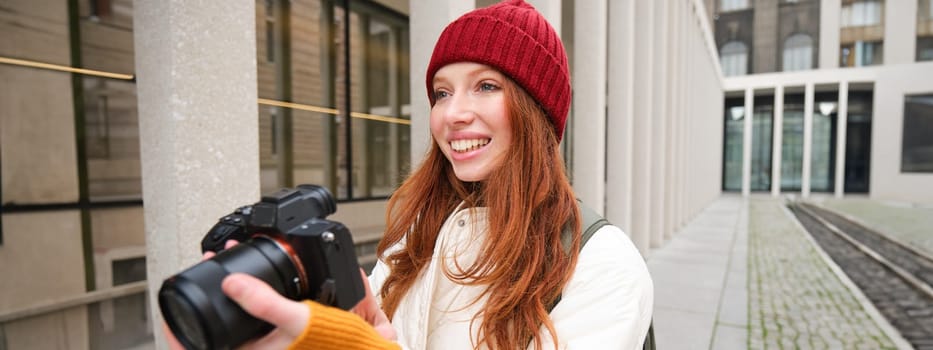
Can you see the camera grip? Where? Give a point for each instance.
(229, 227)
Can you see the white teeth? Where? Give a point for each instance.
(468, 145)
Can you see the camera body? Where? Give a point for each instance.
(286, 242)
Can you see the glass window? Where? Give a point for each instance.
(798, 53)
(925, 49)
(823, 142)
(860, 53)
(862, 13)
(924, 30)
(732, 5)
(917, 146)
(792, 143)
(861, 36)
(347, 73)
(857, 170)
(270, 32)
(732, 145)
(761, 144)
(734, 58)
(112, 139)
(71, 160)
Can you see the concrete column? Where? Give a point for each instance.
(829, 33)
(659, 124)
(747, 142)
(641, 140)
(777, 140)
(682, 118)
(670, 197)
(196, 87)
(842, 117)
(900, 31)
(589, 102)
(621, 113)
(551, 10)
(684, 124)
(807, 140)
(427, 20)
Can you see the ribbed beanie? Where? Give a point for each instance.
(514, 38)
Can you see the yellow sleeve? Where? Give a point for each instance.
(331, 328)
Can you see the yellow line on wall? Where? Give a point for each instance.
(332, 111)
(299, 106)
(34, 64)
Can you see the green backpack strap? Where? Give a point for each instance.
(591, 222)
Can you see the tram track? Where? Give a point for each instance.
(895, 277)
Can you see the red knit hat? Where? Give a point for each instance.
(514, 38)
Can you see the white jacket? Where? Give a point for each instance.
(607, 303)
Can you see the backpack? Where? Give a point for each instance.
(592, 222)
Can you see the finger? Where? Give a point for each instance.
(386, 331)
(369, 291)
(230, 243)
(207, 255)
(170, 337)
(260, 300)
(370, 310)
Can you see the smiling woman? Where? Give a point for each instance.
(483, 246)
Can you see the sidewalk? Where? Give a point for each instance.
(743, 274)
(702, 265)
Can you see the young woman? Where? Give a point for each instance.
(472, 255)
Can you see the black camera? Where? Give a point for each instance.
(286, 242)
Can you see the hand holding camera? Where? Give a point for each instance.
(287, 244)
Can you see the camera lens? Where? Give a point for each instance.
(202, 317)
(187, 328)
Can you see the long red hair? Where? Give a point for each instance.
(529, 201)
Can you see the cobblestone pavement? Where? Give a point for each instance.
(795, 300)
(906, 223)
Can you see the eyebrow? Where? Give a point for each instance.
(472, 73)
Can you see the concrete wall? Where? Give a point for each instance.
(887, 181)
(701, 115)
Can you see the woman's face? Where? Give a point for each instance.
(469, 120)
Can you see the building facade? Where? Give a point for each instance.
(128, 128)
(827, 96)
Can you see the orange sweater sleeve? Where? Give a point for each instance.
(331, 328)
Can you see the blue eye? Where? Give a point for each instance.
(439, 94)
(488, 87)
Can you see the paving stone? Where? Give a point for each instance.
(798, 298)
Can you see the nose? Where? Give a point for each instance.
(459, 109)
